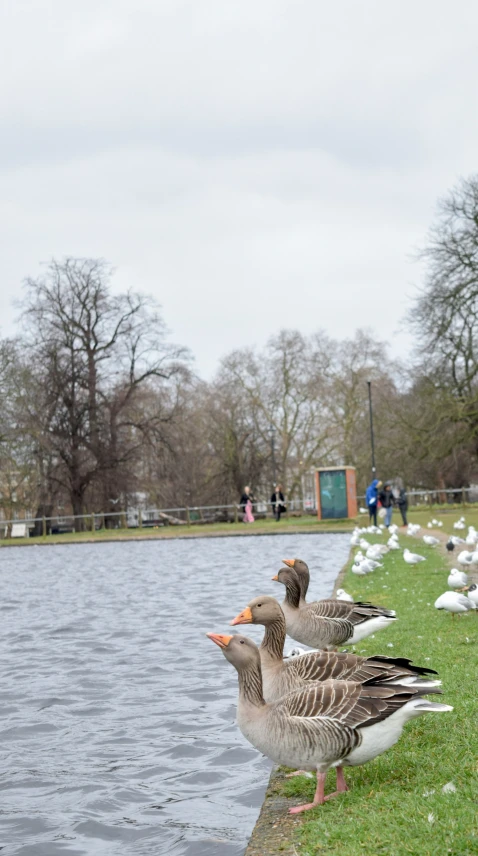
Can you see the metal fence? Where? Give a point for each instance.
(138, 518)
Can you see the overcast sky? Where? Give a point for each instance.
(254, 164)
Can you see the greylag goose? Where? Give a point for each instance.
(281, 676)
(328, 623)
(329, 724)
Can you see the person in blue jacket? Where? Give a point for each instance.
(371, 498)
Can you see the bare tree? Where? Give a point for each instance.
(93, 353)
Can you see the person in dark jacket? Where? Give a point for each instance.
(277, 502)
(387, 501)
(402, 502)
(371, 498)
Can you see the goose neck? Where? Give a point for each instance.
(250, 686)
(274, 639)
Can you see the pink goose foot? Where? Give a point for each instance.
(341, 784)
(319, 797)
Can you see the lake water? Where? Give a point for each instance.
(117, 715)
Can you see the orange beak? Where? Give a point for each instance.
(276, 578)
(244, 617)
(289, 562)
(219, 639)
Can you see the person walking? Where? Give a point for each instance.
(371, 499)
(387, 501)
(277, 501)
(401, 500)
(246, 504)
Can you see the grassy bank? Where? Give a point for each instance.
(307, 523)
(395, 804)
(260, 527)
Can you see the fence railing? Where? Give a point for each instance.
(138, 518)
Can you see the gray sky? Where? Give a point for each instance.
(255, 164)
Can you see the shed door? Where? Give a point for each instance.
(333, 494)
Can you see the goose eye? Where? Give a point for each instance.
(241, 641)
(258, 604)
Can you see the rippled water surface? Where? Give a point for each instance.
(117, 732)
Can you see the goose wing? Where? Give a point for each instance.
(341, 666)
(355, 613)
(352, 704)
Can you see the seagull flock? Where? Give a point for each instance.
(314, 710)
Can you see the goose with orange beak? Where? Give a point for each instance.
(331, 724)
(328, 623)
(280, 676)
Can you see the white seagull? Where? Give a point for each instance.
(412, 558)
(430, 540)
(473, 595)
(453, 601)
(465, 558)
(342, 595)
(457, 579)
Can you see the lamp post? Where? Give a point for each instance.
(369, 384)
(272, 435)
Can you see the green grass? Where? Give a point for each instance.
(396, 805)
(307, 523)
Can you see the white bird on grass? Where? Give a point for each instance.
(453, 601)
(465, 558)
(473, 594)
(456, 540)
(393, 529)
(460, 524)
(378, 549)
(392, 543)
(430, 540)
(342, 595)
(457, 579)
(413, 528)
(364, 544)
(412, 558)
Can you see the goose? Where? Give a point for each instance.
(340, 594)
(329, 724)
(457, 579)
(412, 558)
(473, 594)
(430, 540)
(453, 602)
(281, 676)
(328, 623)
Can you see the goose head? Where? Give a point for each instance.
(302, 571)
(262, 610)
(239, 650)
(289, 578)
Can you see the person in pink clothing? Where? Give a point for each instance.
(246, 504)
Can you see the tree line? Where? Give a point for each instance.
(100, 411)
